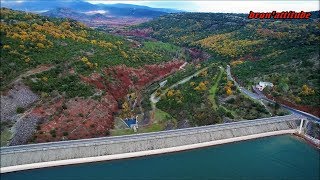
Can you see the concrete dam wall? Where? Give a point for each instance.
(36, 153)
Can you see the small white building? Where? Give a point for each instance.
(182, 66)
(161, 84)
(262, 85)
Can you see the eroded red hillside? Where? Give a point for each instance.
(79, 118)
(119, 80)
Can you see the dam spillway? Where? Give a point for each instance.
(98, 147)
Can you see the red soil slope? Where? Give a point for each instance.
(119, 80)
(137, 32)
(80, 118)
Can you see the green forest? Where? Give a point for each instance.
(284, 52)
(29, 40)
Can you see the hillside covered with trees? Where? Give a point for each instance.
(284, 52)
(67, 65)
(62, 80)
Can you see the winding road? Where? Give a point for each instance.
(261, 96)
(155, 99)
(144, 136)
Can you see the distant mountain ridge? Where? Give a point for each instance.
(99, 18)
(65, 13)
(80, 6)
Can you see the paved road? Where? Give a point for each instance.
(242, 89)
(155, 99)
(261, 96)
(177, 132)
(299, 113)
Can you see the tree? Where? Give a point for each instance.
(229, 83)
(6, 47)
(307, 90)
(20, 110)
(84, 59)
(27, 59)
(45, 79)
(65, 25)
(228, 91)
(277, 106)
(202, 86)
(40, 45)
(124, 54)
(126, 111)
(205, 116)
(297, 99)
(170, 93)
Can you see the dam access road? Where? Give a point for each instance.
(261, 96)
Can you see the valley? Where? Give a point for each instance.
(62, 79)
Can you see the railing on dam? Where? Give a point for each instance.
(30, 156)
(145, 136)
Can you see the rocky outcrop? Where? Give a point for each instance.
(19, 96)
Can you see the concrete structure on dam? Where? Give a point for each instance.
(98, 149)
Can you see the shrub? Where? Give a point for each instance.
(20, 110)
(53, 133)
(277, 106)
(231, 100)
(64, 106)
(107, 133)
(229, 114)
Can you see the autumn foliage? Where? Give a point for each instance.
(228, 89)
(306, 90)
(227, 45)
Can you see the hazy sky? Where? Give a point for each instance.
(236, 6)
(239, 6)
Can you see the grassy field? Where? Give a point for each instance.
(151, 128)
(213, 90)
(161, 119)
(5, 136)
(161, 116)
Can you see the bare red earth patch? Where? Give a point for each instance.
(118, 80)
(198, 55)
(80, 118)
(137, 32)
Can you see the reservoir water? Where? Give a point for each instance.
(278, 157)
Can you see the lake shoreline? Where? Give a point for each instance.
(310, 142)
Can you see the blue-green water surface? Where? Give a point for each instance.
(278, 157)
